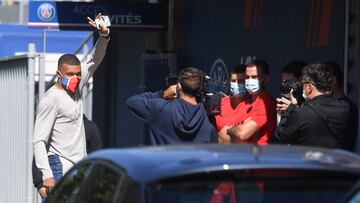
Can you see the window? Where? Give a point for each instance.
(70, 185)
(269, 186)
(102, 186)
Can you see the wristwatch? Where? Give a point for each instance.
(106, 35)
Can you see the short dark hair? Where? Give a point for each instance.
(191, 80)
(261, 66)
(337, 72)
(320, 75)
(294, 68)
(240, 68)
(69, 59)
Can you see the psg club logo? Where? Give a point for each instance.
(46, 12)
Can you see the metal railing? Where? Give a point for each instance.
(17, 107)
(17, 90)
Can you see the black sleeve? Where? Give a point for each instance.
(95, 143)
(93, 136)
(352, 131)
(214, 136)
(288, 126)
(37, 176)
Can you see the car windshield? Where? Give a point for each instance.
(254, 186)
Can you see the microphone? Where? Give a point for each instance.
(213, 80)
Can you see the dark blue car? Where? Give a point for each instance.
(211, 174)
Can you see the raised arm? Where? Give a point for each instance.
(144, 105)
(97, 54)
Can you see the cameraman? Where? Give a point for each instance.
(291, 77)
(174, 115)
(322, 120)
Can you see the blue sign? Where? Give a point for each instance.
(72, 15)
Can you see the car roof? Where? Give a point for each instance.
(146, 164)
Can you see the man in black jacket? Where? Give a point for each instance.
(339, 94)
(322, 120)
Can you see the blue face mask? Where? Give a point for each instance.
(252, 85)
(237, 89)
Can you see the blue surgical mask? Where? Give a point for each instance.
(252, 85)
(237, 89)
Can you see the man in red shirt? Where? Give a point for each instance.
(260, 111)
(233, 106)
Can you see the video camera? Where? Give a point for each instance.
(286, 87)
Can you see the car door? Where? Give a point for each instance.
(95, 181)
(102, 185)
(354, 194)
(69, 186)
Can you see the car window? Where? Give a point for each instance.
(354, 195)
(259, 186)
(130, 191)
(355, 198)
(102, 185)
(69, 187)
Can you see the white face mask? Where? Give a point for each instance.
(304, 95)
(252, 85)
(237, 89)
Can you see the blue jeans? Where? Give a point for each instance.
(56, 167)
